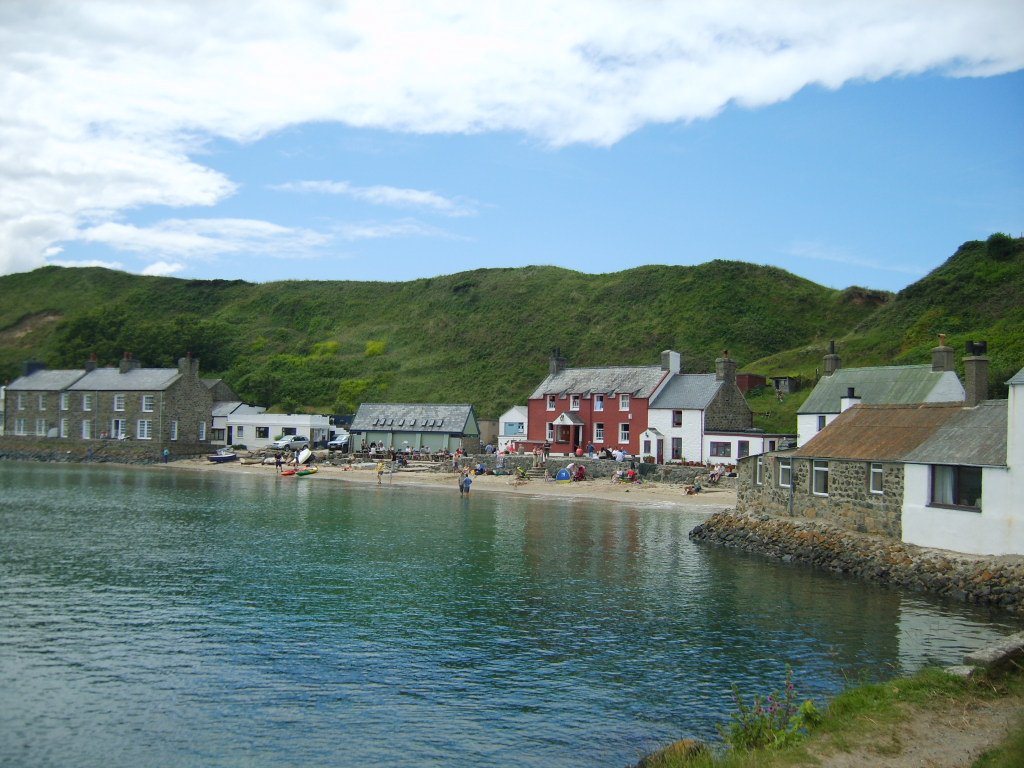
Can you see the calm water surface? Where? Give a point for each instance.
(157, 617)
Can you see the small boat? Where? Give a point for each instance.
(307, 471)
(222, 456)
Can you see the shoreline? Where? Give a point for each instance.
(652, 494)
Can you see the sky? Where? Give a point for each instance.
(850, 143)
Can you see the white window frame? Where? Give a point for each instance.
(819, 477)
(550, 433)
(86, 429)
(202, 431)
(598, 402)
(173, 430)
(574, 402)
(785, 473)
(19, 426)
(759, 470)
(118, 402)
(65, 401)
(42, 401)
(144, 429)
(876, 477)
(551, 402)
(599, 432)
(118, 428)
(239, 431)
(87, 402)
(64, 428)
(42, 427)
(623, 402)
(623, 432)
(148, 403)
(21, 401)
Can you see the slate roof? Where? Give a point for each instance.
(1017, 378)
(135, 380)
(227, 407)
(893, 384)
(46, 380)
(634, 380)
(921, 433)
(688, 391)
(411, 417)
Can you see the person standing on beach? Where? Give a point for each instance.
(380, 472)
(277, 461)
(167, 455)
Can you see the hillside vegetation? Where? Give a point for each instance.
(484, 337)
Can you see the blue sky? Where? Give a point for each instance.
(856, 144)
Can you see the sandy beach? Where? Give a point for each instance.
(651, 494)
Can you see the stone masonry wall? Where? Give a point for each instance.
(728, 411)
(849, 504)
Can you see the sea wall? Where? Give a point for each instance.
(992, 581)
(112, 451)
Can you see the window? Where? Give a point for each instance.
(598, 402)
(875, 478)
(623, 402)
(217, 434)
(819, 477)
(21, 401)
(86, 402)
(677, 448)
(771, 445)
(63, 427)
(574, 402)
(677, 418)
(65, 401)
(172, 431)
(785, 473)
(42, 402)
(624, 432)
(118, 402)
(742, 449)
(147, 403)
(239, 431)
(551, 402)
(87, 430)
(202, 431)
(759, 470)
(956, 486)
(549, 433)
(41, 427)
(19, 426)
(514, 428)
(118, 428)
(599, 432)
(723, 450)
(821, 422)
(262, 433)
(144, 429)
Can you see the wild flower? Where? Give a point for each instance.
(771, 722)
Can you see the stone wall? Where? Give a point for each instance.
(728, 411)
(69, 450)
(992, 581)
(849, 503)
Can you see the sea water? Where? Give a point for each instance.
(151, 616)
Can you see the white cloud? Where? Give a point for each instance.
(387, 230)
(106, 107)
(163, 268)
(383, 195)
(821, 252)
(85, 263)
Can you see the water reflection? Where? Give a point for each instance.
(222, 618)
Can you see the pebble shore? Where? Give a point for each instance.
(989, 581)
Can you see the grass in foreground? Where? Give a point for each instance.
(865, 715)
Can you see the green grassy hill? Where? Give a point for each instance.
(484, 337)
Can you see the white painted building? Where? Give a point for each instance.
(963, 488)
(224, 433)
(512, 426)
(258, 430)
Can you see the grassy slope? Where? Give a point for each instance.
(483, 337)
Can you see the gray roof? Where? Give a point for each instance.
(971, 437)
(635, 380)
(688, 391)
(227, 407)
(46, 381)
(412, 417)
(1017, 378)
(135, 380)
(886, 384)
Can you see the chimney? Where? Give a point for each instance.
(31, 366)
(90, 364)
(942, 356)
(188, 366)
(557, 362)
(127, 363)
(725, 369)
(976, 373)
(832, 363)
(671, 361)
(851, 399)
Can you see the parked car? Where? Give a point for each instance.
(290, 443)
(338, 443)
